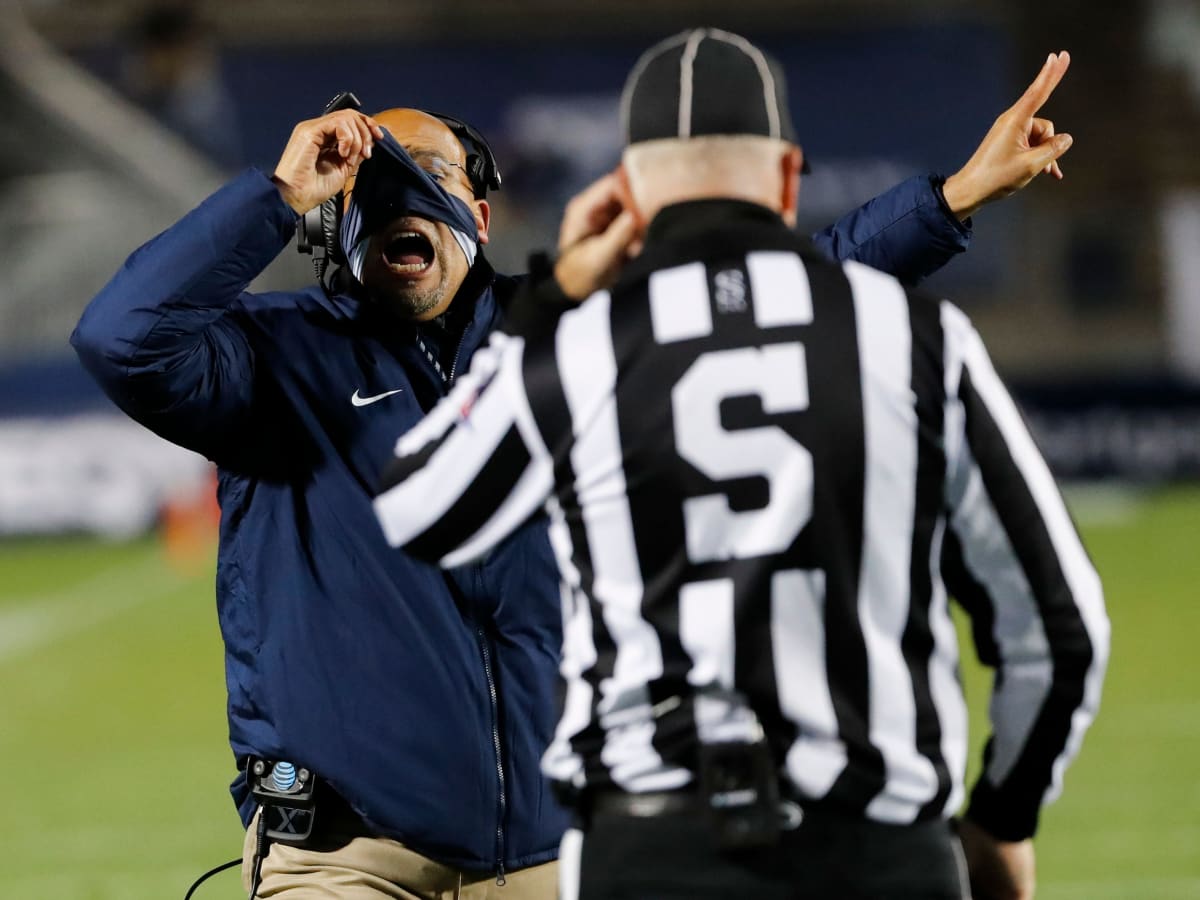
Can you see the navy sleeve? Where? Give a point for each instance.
(162, 337)
(908, 232)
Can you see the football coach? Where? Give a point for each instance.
(767, 474)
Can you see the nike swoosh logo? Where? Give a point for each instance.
(367, 401)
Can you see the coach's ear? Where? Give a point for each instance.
(790, 165)
(482, 211)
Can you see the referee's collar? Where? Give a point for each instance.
(679, 220)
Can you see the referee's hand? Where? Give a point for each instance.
(597, 236)
(1019, 145)
(999, 870)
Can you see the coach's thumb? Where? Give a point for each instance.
(1042, 156)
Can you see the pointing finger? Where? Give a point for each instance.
(1043, 86)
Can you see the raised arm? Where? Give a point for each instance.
(160, 339)
(908, 231)
(1015, 562)
(916, 227)
(163, 337)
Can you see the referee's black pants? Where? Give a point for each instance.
(675, 857)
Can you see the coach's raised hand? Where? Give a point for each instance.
(1018, 146)
(321, 154)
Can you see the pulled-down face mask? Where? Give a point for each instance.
(389, 185)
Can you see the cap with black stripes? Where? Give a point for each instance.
(705, 81)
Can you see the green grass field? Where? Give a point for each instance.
(112, 729)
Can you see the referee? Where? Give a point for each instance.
(766, 474)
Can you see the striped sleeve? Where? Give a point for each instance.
(1015, 562)
(473, 470)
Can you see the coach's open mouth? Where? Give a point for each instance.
(408, 252)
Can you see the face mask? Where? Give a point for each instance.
(390, 184)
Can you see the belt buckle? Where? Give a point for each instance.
(648, 806)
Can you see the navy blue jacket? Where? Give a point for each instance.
(424, 698)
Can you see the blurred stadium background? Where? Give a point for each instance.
(120, 115)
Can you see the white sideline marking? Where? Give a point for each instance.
(44, 619)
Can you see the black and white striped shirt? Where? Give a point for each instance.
(766, 473)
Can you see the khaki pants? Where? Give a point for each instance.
(372, 868)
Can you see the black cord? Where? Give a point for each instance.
(209, 874)
(260, 852)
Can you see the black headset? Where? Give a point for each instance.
(317, 232)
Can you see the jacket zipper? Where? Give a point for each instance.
(457, 353)
(502, 802)
(502, 795)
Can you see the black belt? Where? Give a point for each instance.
(672, 803)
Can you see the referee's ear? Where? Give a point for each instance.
(790, 165)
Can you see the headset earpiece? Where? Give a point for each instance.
(317, 232)
(482, 170)
(475, 169)
(331, 225)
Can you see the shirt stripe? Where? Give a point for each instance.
(679, 307)
(890, 427)
(586, 361)
(781, 291)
